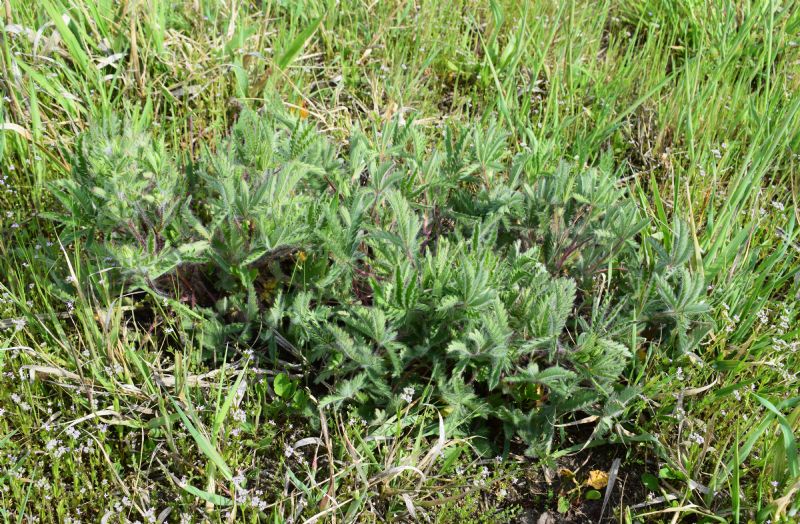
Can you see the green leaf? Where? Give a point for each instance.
(297, 45)
(217, 500)
(219, 416)
(789, 442)
(650, 481)
(592, 494)
(300, 399)
(193, 251)
(283, 386)
(203, 443)
(345, 390)
(669, 473)
(76, 50)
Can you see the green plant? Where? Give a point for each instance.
(513, 296)
(693, 106)
(125, 199)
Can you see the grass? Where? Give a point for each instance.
(696, 105)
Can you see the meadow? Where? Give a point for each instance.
(358, 261)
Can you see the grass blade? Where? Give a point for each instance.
(203, 443)
(297, 45)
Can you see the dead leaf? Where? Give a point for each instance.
(597, 479)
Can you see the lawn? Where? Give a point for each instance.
(350, 261)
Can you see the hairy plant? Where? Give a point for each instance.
(515, 299)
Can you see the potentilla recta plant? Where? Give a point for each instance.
(404, 262)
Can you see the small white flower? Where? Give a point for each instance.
(408, 394)
(238, 480)
(239, 415)
(150, 515)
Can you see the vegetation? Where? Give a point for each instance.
(341, 262)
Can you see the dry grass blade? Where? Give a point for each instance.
(96, 414)
(428, 460)
(10, 126)
(307, 442)
(392, 472)
(612, 479)
(167, 381)
(409, 502)
(329, 495)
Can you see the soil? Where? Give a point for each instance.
(542, 507)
